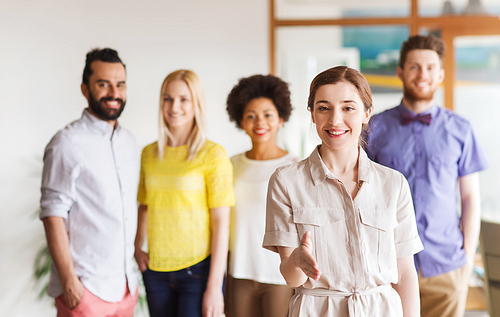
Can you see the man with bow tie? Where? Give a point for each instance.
(434, 149)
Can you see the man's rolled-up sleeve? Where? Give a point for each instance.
(60, 171)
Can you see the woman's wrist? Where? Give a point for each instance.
(215, 283)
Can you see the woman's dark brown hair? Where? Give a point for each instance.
(338, 74)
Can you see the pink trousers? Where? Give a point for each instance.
(92, 306)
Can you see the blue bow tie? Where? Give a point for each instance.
(407, 118)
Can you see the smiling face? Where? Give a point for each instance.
(261, 120)
(339, 115)
(178, 108)
(421, 75)
(106, 90)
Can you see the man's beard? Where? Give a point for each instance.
(102, 111)
(411, 95)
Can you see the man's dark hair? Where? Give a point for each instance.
(420, 42)
(256, 86)
(105, 55)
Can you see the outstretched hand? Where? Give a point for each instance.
(303, 258)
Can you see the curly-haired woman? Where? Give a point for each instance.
(259, 105)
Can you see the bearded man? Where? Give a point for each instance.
(88, 203)
(435, 149)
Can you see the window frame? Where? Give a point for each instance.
(449, 27)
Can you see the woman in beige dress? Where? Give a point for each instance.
(343, 225)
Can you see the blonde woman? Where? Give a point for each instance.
(185, 194)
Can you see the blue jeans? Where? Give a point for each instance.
(177, 293)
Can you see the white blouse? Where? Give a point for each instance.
(355, 242)
(247, 258)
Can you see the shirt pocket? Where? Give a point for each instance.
(328, 236)
(443, 167)
(377, 239)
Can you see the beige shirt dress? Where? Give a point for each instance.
(355, 242)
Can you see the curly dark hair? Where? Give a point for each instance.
(257, 86)
(105, 55)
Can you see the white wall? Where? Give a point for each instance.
(42, 54)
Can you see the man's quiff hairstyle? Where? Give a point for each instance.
(258, 86)
(421, 42)
(107, 55)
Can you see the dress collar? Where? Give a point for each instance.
(319, 171)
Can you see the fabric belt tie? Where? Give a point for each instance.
(353, 298)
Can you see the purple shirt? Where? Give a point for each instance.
(431, 158)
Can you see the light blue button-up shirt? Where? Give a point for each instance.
(90, 178)
(432, 158)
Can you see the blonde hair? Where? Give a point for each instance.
(197, 137)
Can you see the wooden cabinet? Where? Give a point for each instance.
(490, 249)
